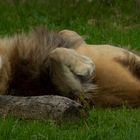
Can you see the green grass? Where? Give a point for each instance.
(107, 124)
(101, 22)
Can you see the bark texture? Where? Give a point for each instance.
(48, 107)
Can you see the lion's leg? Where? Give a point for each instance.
(73, 37)
(66, 65)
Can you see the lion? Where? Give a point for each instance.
(62, 63)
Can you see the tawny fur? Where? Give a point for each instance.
(56, 63)
(117, 73)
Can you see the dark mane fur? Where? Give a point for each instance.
(30, 63)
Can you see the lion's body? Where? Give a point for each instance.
(117, 73)
(43, 63)
(117, 84)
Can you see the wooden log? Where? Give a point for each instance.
(48, 107)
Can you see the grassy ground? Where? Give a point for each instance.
(100, 21)
(120, 124)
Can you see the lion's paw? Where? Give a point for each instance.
(84, 66)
